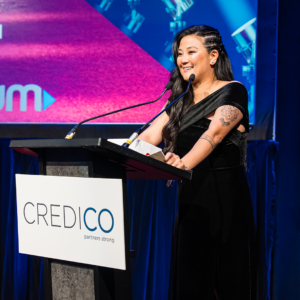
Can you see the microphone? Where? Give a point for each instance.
(73, 131)
(134, 136)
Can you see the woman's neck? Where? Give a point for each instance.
(202, 89)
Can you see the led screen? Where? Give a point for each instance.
(65, 61)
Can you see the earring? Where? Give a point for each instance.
(212, 62)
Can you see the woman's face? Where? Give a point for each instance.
(193, 58)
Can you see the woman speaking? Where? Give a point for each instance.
(213, 247)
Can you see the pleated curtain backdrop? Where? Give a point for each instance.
(261, 156)
(20, 274)
(152, 206)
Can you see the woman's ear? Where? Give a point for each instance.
(214, 54)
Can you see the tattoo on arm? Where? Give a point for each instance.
(224, 123)
(229, 113)
(209, 139)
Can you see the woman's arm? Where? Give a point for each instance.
(153, 134)
(225, 119)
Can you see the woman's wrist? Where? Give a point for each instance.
(185, 164)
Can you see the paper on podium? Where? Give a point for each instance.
(143, 148)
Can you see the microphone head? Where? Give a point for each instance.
(169, 85)
(192, 77)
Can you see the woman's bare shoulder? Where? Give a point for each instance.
(222, 83)
(235, 81)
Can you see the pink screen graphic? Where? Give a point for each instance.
(62, 62)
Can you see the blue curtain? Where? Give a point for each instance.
(20, 274)
(152, 207)
(261, 156)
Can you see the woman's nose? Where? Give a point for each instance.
(184, 59)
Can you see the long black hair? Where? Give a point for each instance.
(222, 69)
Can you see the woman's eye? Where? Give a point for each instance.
(191, 52)
(179, 54)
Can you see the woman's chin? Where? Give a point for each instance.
(186, 77)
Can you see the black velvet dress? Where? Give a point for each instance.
(213, 243)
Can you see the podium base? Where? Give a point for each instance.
(69, 282)
(73, 281)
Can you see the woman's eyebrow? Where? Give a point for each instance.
(188, 48)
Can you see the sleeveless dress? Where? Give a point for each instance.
(214, 236)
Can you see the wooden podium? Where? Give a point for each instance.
(98, 158)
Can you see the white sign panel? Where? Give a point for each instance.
(71, 218)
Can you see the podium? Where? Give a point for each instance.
(95, 158)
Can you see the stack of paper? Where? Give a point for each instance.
(143, 148)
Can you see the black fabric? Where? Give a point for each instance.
(214, 237)
(234, 94)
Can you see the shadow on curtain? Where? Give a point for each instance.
(153, 207)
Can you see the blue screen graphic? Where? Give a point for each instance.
(153, 25)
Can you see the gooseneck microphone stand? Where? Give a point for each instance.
(135, 135)
(73, 131)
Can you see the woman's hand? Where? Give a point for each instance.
(175, 161)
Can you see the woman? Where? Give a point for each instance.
(213, 252)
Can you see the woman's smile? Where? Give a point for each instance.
(187, 69)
